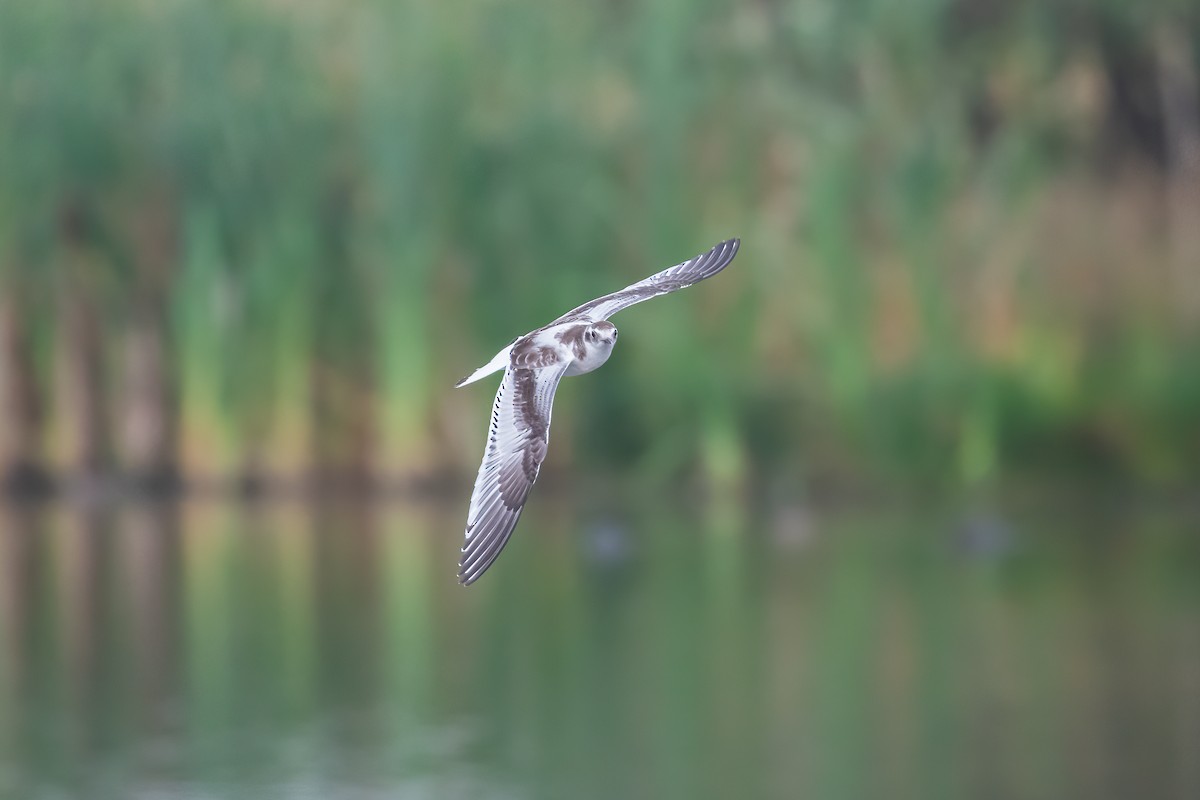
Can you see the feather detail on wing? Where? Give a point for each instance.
(517, 440)
(672, 279)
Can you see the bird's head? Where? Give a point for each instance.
(602, 332)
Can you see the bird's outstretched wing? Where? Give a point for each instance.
(517, 440)
(677, 277)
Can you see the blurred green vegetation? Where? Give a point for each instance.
(220, 650)
(242, 238)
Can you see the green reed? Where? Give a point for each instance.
(335, 212)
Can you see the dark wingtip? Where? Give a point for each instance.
(718, 258)
(468, 576)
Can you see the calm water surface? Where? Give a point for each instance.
(210, 651)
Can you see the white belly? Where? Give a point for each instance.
(594, 355)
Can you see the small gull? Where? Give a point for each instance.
(577, 342)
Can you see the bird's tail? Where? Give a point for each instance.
(499, 362)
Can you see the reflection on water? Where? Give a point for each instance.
(206, 651)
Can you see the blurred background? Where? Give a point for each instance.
(903, 503)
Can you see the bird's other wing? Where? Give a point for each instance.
(516, 447)
(677, 277)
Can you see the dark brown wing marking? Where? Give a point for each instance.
(677, 277)
(573, 337)
(526, 353)
(517, 442)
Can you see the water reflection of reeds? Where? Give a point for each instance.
(274, 650)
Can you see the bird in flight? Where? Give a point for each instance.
(577, 342)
